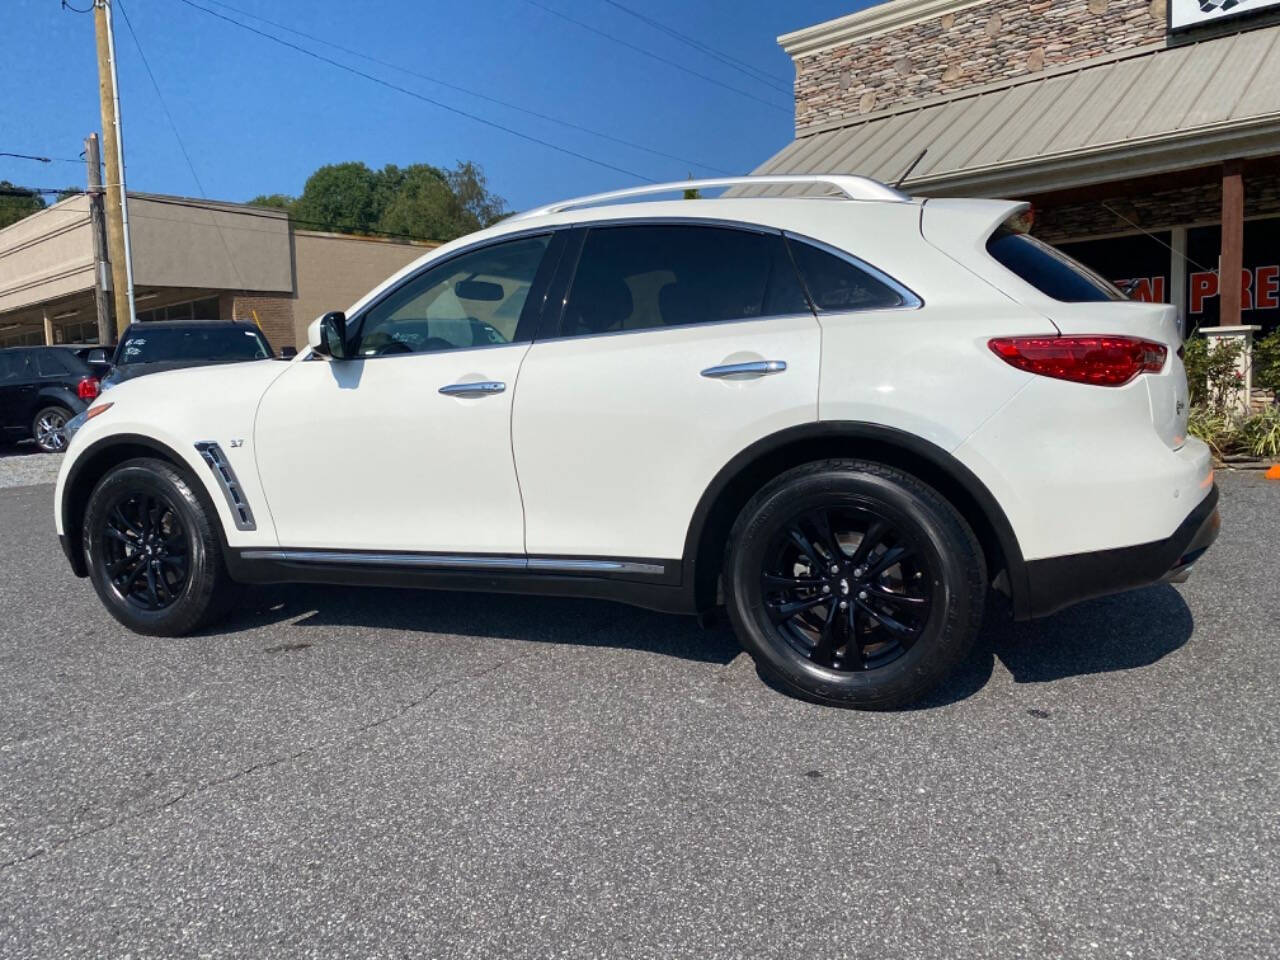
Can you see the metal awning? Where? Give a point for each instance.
(1144, 111)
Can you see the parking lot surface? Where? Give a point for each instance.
(377, 773)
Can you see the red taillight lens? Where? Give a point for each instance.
(87, 389)
(1099, 360)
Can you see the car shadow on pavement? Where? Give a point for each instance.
(1121, 632)
(538, 619)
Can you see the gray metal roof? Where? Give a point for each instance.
(1143, 111)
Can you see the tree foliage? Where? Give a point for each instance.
(420, 201)
(16, 203)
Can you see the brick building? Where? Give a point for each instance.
(1146, 136)
(191, 259)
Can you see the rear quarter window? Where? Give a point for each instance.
(1048, 269)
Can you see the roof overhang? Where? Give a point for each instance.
(1136, 113)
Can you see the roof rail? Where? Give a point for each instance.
(853, 188)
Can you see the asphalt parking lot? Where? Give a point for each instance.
(378, 773)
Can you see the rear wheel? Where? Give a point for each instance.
(49, 428)
(854, 584)
(153, 552)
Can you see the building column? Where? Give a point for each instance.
(1231, 261)
(1178, 275)
(48, 329)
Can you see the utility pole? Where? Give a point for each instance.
(106, 329)
(117, 203)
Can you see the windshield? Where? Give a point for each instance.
(192, 343)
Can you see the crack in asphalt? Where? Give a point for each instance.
(341, 742)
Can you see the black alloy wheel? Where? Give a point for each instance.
(854, 584)
(154, 549)
(847, 588)
(145, 549)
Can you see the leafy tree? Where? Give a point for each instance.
(440, 204)
(281, 201)
(16, 203)
(340, 197)
(420, 201)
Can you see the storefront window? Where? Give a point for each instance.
(206, 309)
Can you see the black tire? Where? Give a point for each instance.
(152, 548)
(49, 428)
(784, 592)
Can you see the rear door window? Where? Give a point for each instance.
(836, 284)
(669, 275)
(1048, 269)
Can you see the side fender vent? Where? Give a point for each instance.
(217, 461)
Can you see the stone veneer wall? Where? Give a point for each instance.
(972, 46)
(1154, 211)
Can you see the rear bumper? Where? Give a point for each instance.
(1057, 582)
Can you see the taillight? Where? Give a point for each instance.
(1100, 360)
(87, 389)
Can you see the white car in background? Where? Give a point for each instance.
(845, 419)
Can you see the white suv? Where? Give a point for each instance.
(845, 419)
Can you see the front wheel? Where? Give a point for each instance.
(153, 552)
(49, 428)
(854, 584)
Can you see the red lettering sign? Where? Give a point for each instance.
(1203, 286)
(1267, 286)
(1146, 289)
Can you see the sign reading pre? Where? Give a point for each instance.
(1185, 14)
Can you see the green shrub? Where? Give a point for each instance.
(1211, 372)
(1261, 433)
(1220, 429)
(1266, 363)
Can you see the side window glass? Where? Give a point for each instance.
(50, 364)
(836, 285)
(472, 300)
(7, 369)
(641, 277)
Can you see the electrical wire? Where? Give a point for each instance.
(28, 156)
(728, 60)
(654, 56)
(569, 124)
(419, 96)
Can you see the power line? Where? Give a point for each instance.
(471, 93)
(728, 60)
(160, 96)
(28, 156)
(654, 56)
(418, 96)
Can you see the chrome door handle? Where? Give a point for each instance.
(754, 366)
(480, 388)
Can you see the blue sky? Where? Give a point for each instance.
(258, 118)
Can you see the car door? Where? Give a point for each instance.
(17, 393)
(678, 346)
(406, 447)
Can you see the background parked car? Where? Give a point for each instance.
(158, 345)
(95, 355)
(41, 388)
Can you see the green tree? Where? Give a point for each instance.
(429, 203)
(281, 201)
(342, 197)
(16, 203)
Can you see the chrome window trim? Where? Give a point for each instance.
(910, 299)
(459, 561)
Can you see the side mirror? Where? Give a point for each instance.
(328, 335)
(98, 356)
(288, 353)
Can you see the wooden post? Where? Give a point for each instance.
(1231, 262)
(48, 329)
(102, 306)
(117, 223)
